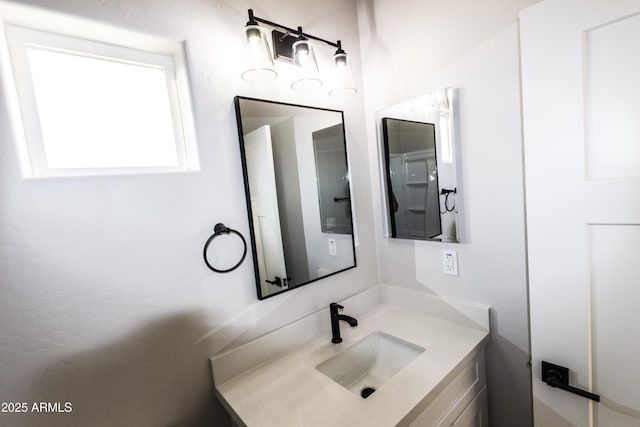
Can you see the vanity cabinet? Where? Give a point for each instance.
(444, 385)
(462, 403)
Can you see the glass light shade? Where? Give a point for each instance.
(307, 67)
(343, 83)
(260, 65)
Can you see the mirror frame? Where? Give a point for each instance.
(245, 176)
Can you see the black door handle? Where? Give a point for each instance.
(277, 281)
(558, 376)
(340, 199)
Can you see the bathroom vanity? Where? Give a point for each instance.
(427, 370)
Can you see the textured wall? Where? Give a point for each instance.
(104, 299)
(470, 45)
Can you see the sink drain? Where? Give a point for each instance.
(366, 392)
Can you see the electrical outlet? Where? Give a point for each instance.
(450, 262)
(333, 249)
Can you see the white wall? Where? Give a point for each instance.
(473, 46)
(105, 301)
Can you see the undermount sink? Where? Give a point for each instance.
(370, 362)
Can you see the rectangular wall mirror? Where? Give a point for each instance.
(419, 159)
(294, 160)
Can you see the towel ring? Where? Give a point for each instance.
(219, 230)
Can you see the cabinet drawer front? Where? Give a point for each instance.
(475, 414)
(456, 396)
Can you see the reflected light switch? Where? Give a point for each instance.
(333, 250)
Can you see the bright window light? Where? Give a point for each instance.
(98, 113)
(446, 144)
(94, 108)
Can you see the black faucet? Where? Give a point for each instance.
(335, 321)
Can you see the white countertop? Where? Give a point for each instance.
(290, 391)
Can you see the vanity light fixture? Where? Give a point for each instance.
(304, 57)
(343, 82)
(260, 67)
(295, 47)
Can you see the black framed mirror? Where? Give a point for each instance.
(296, 177)
(412, 179)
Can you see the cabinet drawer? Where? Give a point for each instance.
(456, 396)
(476, 412)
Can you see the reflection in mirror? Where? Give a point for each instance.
(419, 153)
(298, 198)
(333, 188)
(412, 180)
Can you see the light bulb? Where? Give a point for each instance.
(254, 35)
(301, 48)
(340, 60)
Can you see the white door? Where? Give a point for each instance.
(581, 104)
(264, 207)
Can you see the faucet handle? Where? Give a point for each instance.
(336, 306)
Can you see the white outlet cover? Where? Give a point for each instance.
(450, 262)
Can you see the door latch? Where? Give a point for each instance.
(277, 281)
(558, 376)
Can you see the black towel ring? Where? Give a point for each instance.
(218, 230)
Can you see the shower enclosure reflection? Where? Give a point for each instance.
(412, 179)
(298, 198)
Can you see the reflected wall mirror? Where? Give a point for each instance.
(420, 164)
(294, 160)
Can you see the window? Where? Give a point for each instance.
(96, 108)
